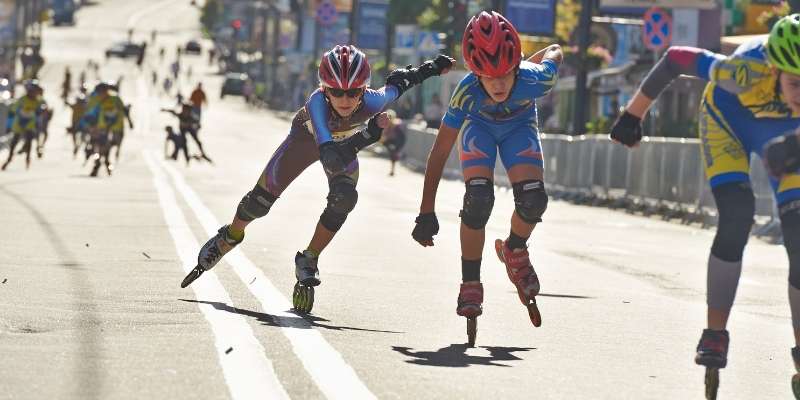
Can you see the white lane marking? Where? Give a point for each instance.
(248, 372)
(331, 373)
(135, 17)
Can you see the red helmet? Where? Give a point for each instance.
(344, 67)
(491, 45)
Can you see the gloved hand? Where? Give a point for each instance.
(408, 77)
(365, 137)
(427, 226)
(782, 155)
(332, 159)
(627, 129)
(439, 65)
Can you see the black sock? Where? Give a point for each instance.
(515, 241)
(470, 270)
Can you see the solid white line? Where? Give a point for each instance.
(248, 372)
(331, 373)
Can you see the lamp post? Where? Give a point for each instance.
(581, 93)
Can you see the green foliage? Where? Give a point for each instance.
(769, 18)
(210, 13)
(567, 17)
(406, 11)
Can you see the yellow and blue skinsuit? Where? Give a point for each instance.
(24, 115)
(742, 109)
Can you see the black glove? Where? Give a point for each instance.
(332, 159)
(427, 227)
(627, 129)
(406, 78)
(363, 138)
(435, 67)
(782, 155)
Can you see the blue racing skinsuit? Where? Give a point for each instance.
(510, 127)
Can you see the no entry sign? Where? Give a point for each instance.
(657, 29)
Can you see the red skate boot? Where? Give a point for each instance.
(470, 300)
(521, 273)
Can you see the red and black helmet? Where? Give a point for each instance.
(344, 67)
(491, 45)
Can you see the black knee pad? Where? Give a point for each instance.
(255, 204)
(530, 200)
(790, 225)
(736, 206)
(478, 203)
(342, 199)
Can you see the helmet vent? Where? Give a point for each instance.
(788, 58)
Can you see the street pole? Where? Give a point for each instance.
(354, 22)
(581, 93)
(276, 43)
(264, 42)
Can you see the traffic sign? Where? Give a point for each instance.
(326, 13)
(428, 42)
(657, 29)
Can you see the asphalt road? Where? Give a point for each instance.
(90, 304)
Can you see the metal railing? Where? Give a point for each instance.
(663, 176)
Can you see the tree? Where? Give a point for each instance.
(210, 13)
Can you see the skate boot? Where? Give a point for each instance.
(796, 377)
(211, 253)
(712, 350)
(307, 275)
(306, 270)
(522, 275)
(470, 300)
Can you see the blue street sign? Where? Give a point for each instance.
(372, 24)
(532, 17)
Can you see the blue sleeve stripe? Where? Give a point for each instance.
(704, 61)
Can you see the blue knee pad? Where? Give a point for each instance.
(478, 203)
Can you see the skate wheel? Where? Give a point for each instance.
(712, 383)
(534, 314)
(472, 331)
(302, 298)
(191, 277)
(796, 386)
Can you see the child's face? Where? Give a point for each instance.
(790, 87)
(499, 88)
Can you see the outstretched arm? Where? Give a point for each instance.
(406, 78)
(676, 61)
(426, 224)
(552, 52)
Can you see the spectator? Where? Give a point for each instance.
(434, 112)
(394, 137)
(198, 99)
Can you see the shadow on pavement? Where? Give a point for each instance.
(300, 322)
(455, 355)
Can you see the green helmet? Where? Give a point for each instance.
(783, 44)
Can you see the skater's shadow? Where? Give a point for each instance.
(455, 355)
(299, 322)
